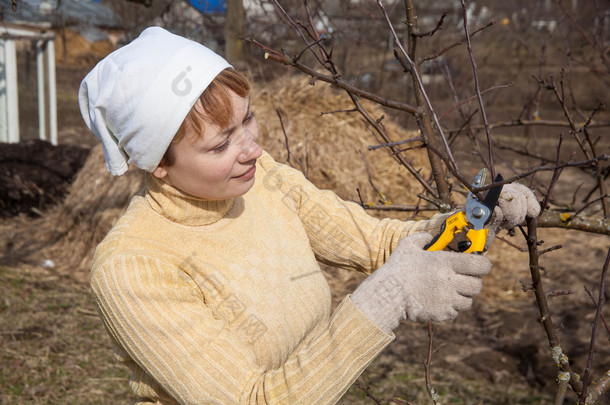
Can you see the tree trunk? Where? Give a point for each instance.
(234, 28)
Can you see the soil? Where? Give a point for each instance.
(35, 175)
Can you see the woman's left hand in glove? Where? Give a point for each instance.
(516, 203)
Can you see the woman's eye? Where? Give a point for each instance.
(248, 118)
(222, 147)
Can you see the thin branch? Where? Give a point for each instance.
(556, 174)
(553, 293)
(458, 43)
(538, 122)
(545, 315)
(304, 167)
(437, 28)
(477, 87)
(420, 85)
(599, 174)
(590, 294)
(337, 82)
(428, 364)
(590, 203)
(503, 86)
(286, 143)
(522, 152)
(297, 29)
(398, 207)
(401, 159)
(367, 392)
(339, 111)
(551, 249)
(600, 302)
(370, 178)
(386, 145)
(546, 169)
(602, 52)
(509, 243)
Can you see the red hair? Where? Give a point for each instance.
(214, 106)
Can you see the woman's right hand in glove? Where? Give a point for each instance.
(419, 285)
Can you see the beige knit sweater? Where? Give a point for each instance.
(223, 302)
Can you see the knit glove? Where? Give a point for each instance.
(419, 285)
(516, 202)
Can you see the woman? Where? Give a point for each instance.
(209, 285)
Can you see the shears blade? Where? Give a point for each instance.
(471, 221)
(493, 195)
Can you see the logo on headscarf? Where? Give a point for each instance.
(181, 86)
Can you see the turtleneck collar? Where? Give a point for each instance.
(183, 208)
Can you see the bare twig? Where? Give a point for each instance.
(458, 43)
(553, 293)
(337, 82)
(545, 315)
(367, 392)
(437, 28)
(546, 169)
(477, 87)
(428, 363)
(599, 174)
(590, 294)
(556, 174)
(539, 122)
(509, 243)
(371, 182)
(503, 86)
(401, 159)
(589, 204)
(600, 302)
(385, 145)
(603, 52)
(440, 181)
(303, 166)
(551, 249)
(399, 207)
(297, 28)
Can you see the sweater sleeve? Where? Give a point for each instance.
(341, 233)
(157, 315)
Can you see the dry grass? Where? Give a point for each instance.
(54, 349)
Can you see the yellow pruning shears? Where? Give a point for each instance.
(473, 218)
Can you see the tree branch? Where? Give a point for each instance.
(600, 302)
(545, 315)
(477, 87)
(337, 82)
(558, 219)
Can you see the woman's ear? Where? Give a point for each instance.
(160, 172)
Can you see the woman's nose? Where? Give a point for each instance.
(249, 148)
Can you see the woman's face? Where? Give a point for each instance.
(220, 164)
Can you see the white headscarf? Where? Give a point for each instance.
(136, 98)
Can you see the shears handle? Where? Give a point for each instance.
(477, 240)
(453, 225)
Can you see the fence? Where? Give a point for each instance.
(45, 66)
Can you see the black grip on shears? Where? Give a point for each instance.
(452, 225)
(437, 237)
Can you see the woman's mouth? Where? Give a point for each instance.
(248, 174)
